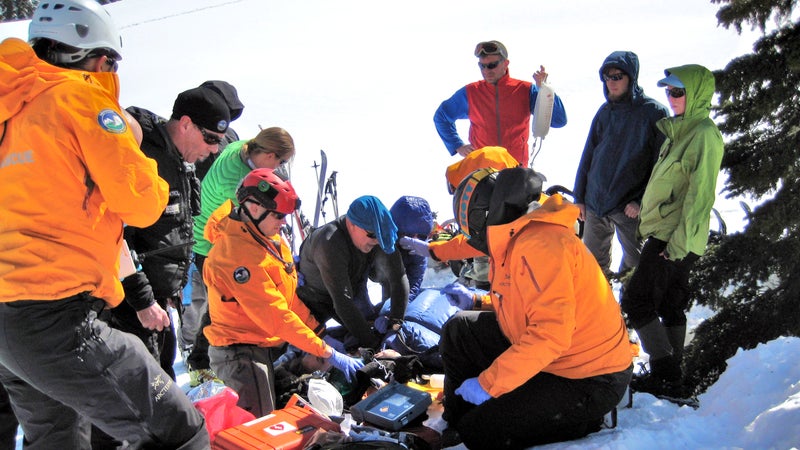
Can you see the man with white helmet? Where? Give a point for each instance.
(64, 147)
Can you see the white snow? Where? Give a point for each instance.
(362, 80)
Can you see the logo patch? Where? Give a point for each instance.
(111, 121)
(222, 125)
(241, 275)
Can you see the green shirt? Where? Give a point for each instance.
(219, 185)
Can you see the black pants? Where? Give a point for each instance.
(198, 357)
(8, 422)
(161, 344)
(658, 288)
(547, 408)
(64, 368)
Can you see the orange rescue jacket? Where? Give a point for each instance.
(251, 294)
(552, 302)
(71, 173)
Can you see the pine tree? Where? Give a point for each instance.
(16, 9)
(752, 278)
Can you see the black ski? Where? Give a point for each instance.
(323, 167)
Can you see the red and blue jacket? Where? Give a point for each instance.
(499, 115)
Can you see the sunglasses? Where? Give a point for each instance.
(111, 61)
(278, 215)
(371, 234)
(615, 77)
(675, 92)
(208, 138)
(112, 64)
(490, 66)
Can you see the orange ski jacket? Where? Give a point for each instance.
(552, 302)
(251, 292)
(70, 174)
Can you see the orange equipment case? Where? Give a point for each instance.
(289, 428)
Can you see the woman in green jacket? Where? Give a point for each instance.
(674, 222)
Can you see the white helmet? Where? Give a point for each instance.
(83, 24)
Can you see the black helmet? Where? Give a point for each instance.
(488, 197)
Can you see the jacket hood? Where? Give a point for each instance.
(700, 84)
(627, 62)
(218, 220)
(555, 210)
(494, 157)
(23, 77)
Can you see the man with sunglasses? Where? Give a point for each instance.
(335, 262)
(499, 107)
(620, 151)
(674, 222)
(200, 117)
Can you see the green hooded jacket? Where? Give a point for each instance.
(677, 202)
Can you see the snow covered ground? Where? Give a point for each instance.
(362, 79)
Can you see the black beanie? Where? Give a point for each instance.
(229, 94)
(205, 107)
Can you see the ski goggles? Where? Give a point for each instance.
(675, 92)
(491, 48)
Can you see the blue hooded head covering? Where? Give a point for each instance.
(368, 212)
(412, 215)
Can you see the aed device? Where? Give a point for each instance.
(392, 407)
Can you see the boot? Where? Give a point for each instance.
(664, 379)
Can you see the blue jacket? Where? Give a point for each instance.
(622, 145)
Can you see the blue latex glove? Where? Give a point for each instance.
(459, 295)
(472, 391)
(346, 364)
(414, 246)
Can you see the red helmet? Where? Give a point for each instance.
(266, 188)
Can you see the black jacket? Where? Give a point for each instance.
(335, 273)
(165, 247)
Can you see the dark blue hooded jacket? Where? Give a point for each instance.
(622, 145)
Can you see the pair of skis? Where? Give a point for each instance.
(326, 190)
